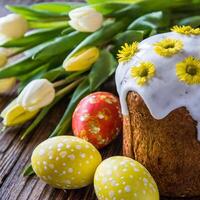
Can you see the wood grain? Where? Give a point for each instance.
(15, 154)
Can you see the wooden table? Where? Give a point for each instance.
(15, 154)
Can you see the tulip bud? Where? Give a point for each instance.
(82, 60)
(6, 85)
(37, 94)
(15, 114)
(85, 19)
(3, 59)
(13, 26)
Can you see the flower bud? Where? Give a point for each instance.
(6, 85)
(37, 94)
(85, 19)
(13, 26)
(15, 114)
(82, 60)
(3, 59)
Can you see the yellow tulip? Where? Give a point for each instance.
(3, 59)
(83, 60)
(15, 114)
(6, 85)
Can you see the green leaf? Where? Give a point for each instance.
(102, 69)
(55, 73)
(128, 37)
(21, 66)
(192, 21)
(155, 20)
(32, 14)
(57, 7)
(34, 39)
(41, 24)
(111, 1)
(28, 171)
(102, 36)
(60, 45)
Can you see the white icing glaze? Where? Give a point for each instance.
(164, 92)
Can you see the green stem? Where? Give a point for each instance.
(67, 80)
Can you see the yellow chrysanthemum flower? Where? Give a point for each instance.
(143, 73)
(168, 47)
(196, 31)
(188, 70)
(127, 51)
(186, 30)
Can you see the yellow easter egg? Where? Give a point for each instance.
(66, 162)
(122, 178)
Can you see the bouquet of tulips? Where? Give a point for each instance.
(71, 48)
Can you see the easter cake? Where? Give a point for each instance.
(158, 84)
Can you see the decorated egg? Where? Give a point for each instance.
(97, 118)
(122, 178)
(66, 162)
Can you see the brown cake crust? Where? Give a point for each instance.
(168, 148)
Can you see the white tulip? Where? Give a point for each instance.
(85, 19)
(13, 26)
(37, 94)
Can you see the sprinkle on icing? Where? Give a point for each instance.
(188, 70)
(168, 47)
(127, 52)
(143, 73)
(186, 30)
(176, 81)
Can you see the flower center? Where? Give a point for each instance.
(191, 69)
(169, 46)
(143, 73)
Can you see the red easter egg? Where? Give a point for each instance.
(97, 118)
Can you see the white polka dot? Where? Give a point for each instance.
(136, 169)
(64, 172)
(124, 170)
(82, 155)
(64, 164)
(67, 182)
(44, 162)
(144, 191)
(57, 158)
(123, 182)
(71, 156)
(115, 167)
(91, 157)
(127, 188)
(111, 194)
(70, 170)
(60, 145)
(59, 149)
(145, 180)
(51, 166)
(79, 172)
(78, 146)
(38, 162)
(86, 146)
(41, 152)
(131, 176)
(50, 147)
(68, 146)
(104, 180)
(63, 154)
(50, 157)
(56, 171)
(45, 168)
(119, 191)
